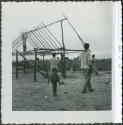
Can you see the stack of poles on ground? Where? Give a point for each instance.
(46, 50)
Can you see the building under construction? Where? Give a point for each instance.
(44, 43)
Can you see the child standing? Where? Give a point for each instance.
(53, 73)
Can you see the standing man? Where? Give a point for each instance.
(86, 68)
(53, 73)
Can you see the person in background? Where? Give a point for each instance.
(74, 69)
(58, 62)
(53, 73)
(94, 64)
(86, 67)
(63, 66)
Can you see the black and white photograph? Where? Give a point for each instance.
(61, 55)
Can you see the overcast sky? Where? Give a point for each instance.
(92, 20)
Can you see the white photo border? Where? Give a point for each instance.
(26, 117)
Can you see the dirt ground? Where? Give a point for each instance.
(28, 95)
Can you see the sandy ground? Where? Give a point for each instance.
(28, 95)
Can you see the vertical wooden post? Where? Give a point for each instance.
(43, 60)
(16, 64)
(62, 36)
(63, 47)
(24, 38)
(24, 65)
(24, 49)
(35, 67)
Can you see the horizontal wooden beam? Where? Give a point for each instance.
(49, 51)
(74, 50)
(45, 26)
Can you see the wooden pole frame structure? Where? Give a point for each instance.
(42, 47)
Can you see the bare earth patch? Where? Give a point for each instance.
(28, 95)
